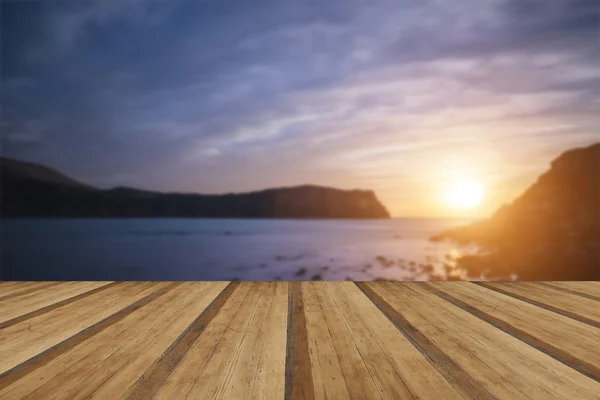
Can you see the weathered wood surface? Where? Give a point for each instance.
(299, 340)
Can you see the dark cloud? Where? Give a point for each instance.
(554, 23)
(554, 16)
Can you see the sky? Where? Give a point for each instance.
(401, 97)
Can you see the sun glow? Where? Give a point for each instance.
(465, 194)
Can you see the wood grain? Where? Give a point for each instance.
(591, 288)
(46, 296)
(586, 291)
(505, 366)
(269, 379)
(578, 346)
(213, 348)
(569, 305)
(337, 367)
(56, 305)
(299, 340)
(43, 357)
(92, 346)
(446, 366)
(154, 377)
(398, 368)
(11, 290)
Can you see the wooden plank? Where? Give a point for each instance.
(155, 376)
(505, 366)
(445, 366)
(216, 374)
(337, 368)
(199, 373)
(31, 365)
(7, 287)
(590, 290)
(269, 381)
(573, 343)
(60, 374)
(245, 365)
(4, 285)
(376, 340)
(141, 344)
(39, 291)
(385, 349)
(569, 305)
(59, 304)
(21, 288)
(85, 344)
(17, 306)
(25, 340)
(122, 382)
(298, 376)
(589, 287)
(350, 302)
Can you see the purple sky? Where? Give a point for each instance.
(402, 97)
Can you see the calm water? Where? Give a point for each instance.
(212, 249)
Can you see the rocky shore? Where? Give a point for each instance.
(550, 232)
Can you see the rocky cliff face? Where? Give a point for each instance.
(29, 190)
(552, 231)
(566, 198)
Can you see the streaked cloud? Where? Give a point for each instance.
(398, 96)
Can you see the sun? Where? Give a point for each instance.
(465, 194)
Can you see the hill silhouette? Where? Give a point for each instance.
(32, 190)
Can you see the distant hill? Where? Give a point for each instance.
(12, 168)
(31, 190)
(552, 231)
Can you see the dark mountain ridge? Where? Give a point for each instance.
(37, 172)
(31, 190)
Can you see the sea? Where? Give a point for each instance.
(227, 249)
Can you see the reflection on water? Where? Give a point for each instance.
(204, 249)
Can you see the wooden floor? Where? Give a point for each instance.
(299, 340)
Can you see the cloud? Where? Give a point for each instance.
(153, 91)
(26, 133)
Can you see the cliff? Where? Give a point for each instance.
(551, 231)
(30, 190)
